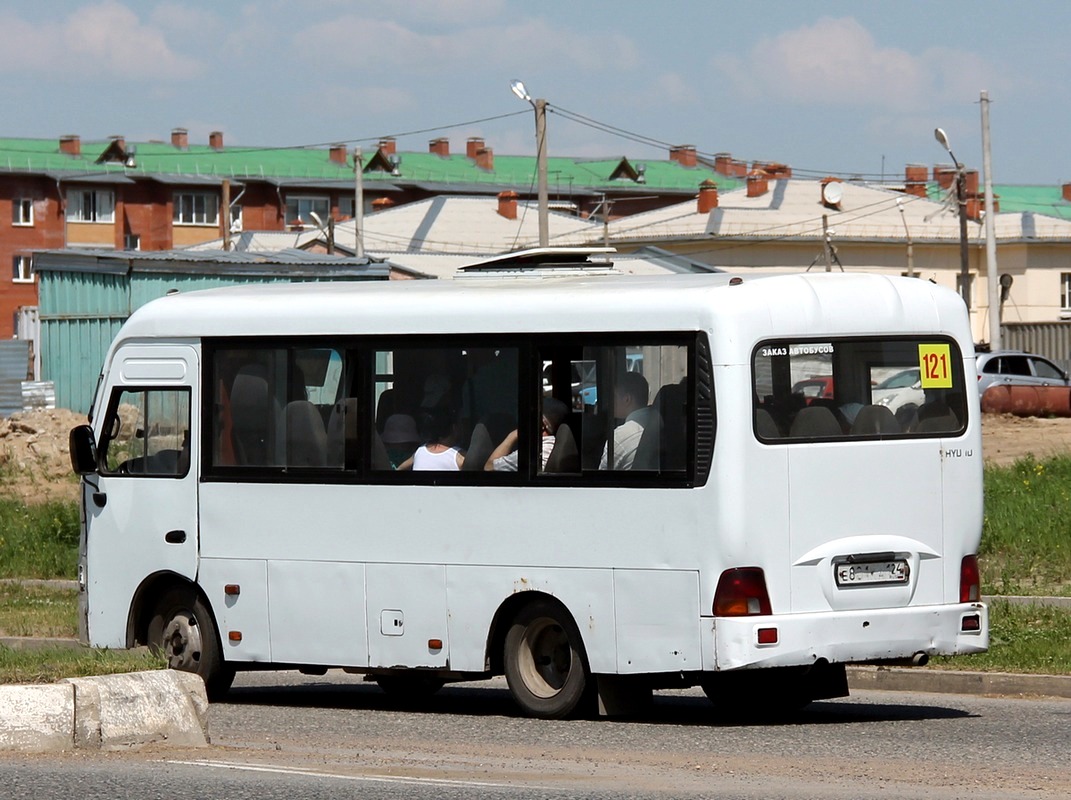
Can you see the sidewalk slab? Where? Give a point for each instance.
(37, 719)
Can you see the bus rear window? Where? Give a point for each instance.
(806, 390)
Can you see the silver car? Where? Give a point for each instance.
(1016, 368)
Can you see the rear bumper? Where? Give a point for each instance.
(857, 636)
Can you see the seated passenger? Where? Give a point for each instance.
(504, 457)
(438, 427)
(630, 405)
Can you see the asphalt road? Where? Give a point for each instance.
(284, 736)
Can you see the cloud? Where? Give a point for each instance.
(369, 43)
(837, 62)
(100, 40)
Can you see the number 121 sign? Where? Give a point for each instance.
(935, 366)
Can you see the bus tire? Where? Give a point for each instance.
(182, 629)
(544, 661)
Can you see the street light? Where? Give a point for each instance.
(961, 200)
(540, 106)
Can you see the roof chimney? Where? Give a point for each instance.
(915, 176)
(971, 181)
(708, 197)
(723, 163)
(119, 140)
(507, 204)
(757, 183)
(180, 138)
(1067, 192)
(70, 145)
(388, 146)
(777, 171)
(485, 159)
(945, 175)
(683, 154)
(381, 204)
(473, 145)
(337, 154)
(439, 147)
(215, 140)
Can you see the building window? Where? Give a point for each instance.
(345, 206)
(22, 269)
(300, 208)
(22, 211)
(91, 205)
(132, 241)
(195, 208)
(1065, 291)
(970, 288)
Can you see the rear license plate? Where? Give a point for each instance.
(871, 573)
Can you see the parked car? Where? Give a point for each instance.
(900, 391)
(1016, 368)
(813, 387)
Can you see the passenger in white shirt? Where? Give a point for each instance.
(630, 405)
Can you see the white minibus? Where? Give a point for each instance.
(312, 477)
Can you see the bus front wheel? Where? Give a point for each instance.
(545, 664)
(182, 629)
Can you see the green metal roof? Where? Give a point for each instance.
(1047, 200)
(314, 164)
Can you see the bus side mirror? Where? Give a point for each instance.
(83, 446)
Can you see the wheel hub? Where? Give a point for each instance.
(182, 643)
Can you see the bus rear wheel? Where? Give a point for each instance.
(544, 662)
(182, 629)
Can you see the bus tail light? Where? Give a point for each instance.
(970, 590)
(742, 592)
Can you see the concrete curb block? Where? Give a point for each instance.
(37, 719)
(110, 712)
(894, 679)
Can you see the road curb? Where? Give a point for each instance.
(896, 679)
(110, 712)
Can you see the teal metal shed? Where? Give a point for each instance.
(86, 295)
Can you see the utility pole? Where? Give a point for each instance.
(540, 107)
(991, 272)
(961, 201)
(541, 167)
(358, 204)
(826, 244)
(225, 214)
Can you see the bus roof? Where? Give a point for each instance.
(753, 307)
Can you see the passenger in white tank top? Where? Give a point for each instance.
(438, 426)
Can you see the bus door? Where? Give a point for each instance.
(141, 517)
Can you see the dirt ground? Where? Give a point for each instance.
(35, 465)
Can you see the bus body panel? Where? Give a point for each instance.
(662, 636)
(477, 592)
(245, 613)
(407, 615)
(317, 612)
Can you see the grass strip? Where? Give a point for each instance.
(1022, 638)
(29, 610)
(38, 541)
(1026, 547)
(50, 664)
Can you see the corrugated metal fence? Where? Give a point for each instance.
(14, 369)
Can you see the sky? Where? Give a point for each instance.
(840, 88)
